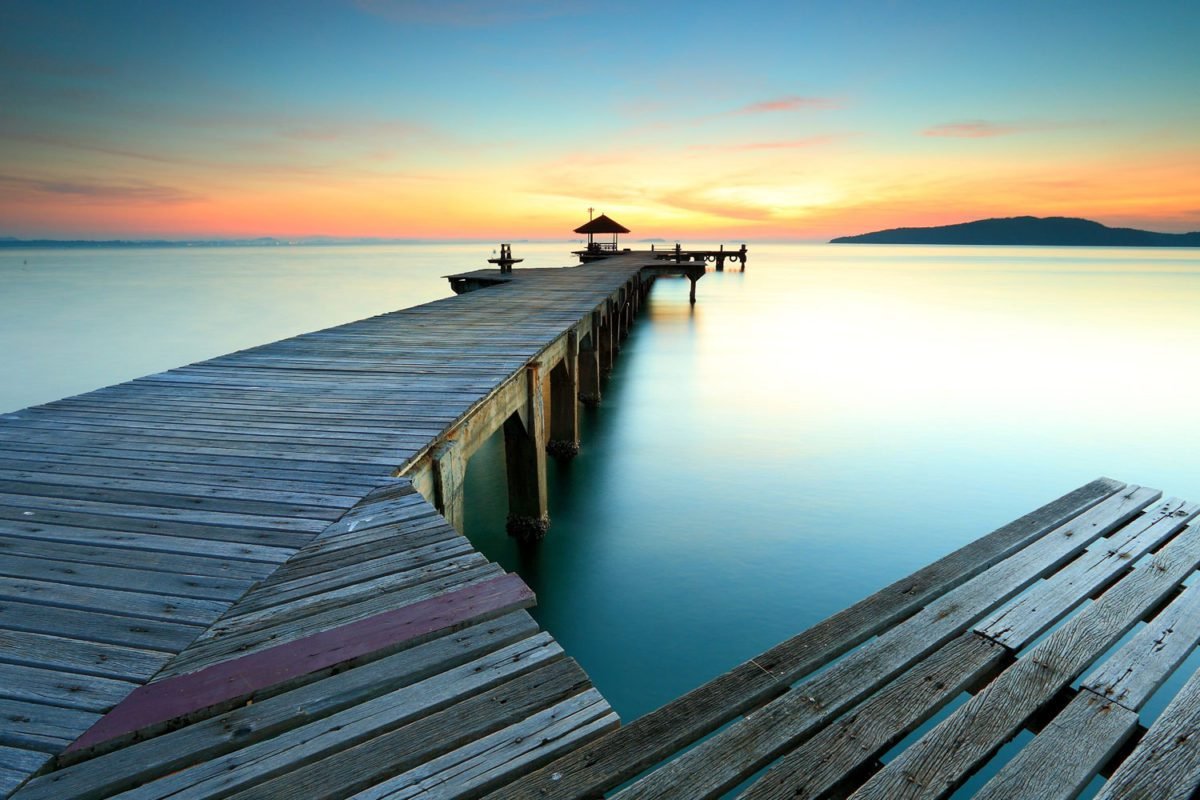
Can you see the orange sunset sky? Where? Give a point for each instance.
(490, 120)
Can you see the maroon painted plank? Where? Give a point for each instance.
(158, 704)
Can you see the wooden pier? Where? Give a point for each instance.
(1024, 619)
(219, 579)
(242, 579)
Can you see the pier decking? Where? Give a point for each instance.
(242, 579)
(236, 562)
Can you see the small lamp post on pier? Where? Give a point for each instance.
(505, 260)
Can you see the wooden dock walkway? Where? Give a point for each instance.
(217, 575)
(1025, 619)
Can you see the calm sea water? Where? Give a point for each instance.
(827, 422)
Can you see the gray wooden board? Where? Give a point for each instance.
(92, 625)
(723, 761)
(127, 540)
(942, 758)
(382, 581)
(1066, 754)
(235, 639)
(56, 688)
(868, 730)
(297, 519)
(36, 726)
(115, 601)
(493, 760)
(266, 719)
(177, 563)
(143, 579)
(1166, 763)
(512, 699)
(78, 656)
(16, 765)
(1028, 616)
(167, 523)
(1136, 671)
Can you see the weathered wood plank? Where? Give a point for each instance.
(217, 687)
(748, 745)
(870, 729)
(147, 580)
(651, 738)
(493, 760)
(506, 703)
(35, 726)
(1065, 756)
(114, 601)
(933, 766)
(16, 765)
(1140, 667)
(1166, 763)
(238, 729)
(66, 690)
(1031, 614)
(77, 656)
(94, 626)
(158, 561)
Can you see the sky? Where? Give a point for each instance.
(508, 119)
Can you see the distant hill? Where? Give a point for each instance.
(1060, 231)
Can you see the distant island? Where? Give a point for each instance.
(1053, 231)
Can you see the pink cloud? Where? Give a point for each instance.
(785, 144)
(788, 103)
(974, 129)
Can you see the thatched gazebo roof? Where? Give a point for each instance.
(602, 224)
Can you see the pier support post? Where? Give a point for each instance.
(525, 459)
(589, 368)
(623, 314)
(692, 292)
(606, 339)
(449, 473)
(564, 403)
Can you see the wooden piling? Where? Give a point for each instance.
(525, 463)
(564, 402)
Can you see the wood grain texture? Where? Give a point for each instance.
(1166, 763)
(933, 766)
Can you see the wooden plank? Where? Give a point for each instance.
(493, 760)
(44, 523)
(651, 738)
(75, 655)
(870, 729)
(94, 626)
(933, 766)
(113, 601)
(219, 686)
(52, 687)
(147, 580)
(16, 766)
(748, 745)
(232, 639)
(153, 542)
(508, 702)
(1166, 763)
(36, 726)
(1136, 671)
(199, 564)
(1067, 754)
(1031, 614)
(238, 729)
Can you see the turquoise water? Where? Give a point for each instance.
(825, 423)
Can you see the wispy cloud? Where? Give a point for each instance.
(469, 13)
(789, 103)
(784, 144)
(986, 129)
(129, 192)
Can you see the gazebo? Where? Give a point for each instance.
(602, 224)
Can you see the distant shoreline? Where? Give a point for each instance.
(1026, 231)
